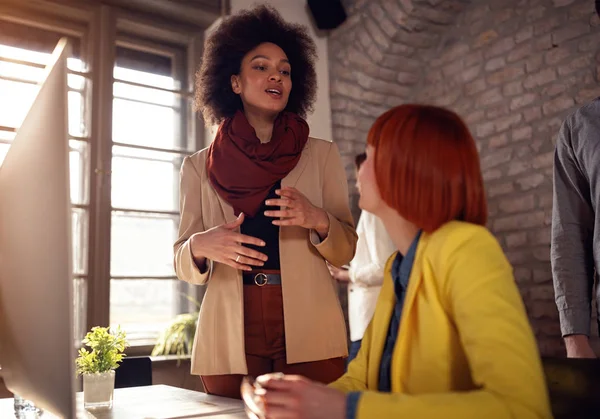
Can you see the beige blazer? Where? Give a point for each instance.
(314, 322)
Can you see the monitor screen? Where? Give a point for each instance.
(36, 283)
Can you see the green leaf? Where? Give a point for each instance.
(107, 347)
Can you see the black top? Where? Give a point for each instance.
(262, 227)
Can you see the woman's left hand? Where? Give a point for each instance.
(296, 397)
(296, 210)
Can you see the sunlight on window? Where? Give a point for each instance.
(143, 77)
(17, 94)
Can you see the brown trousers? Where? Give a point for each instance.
(265, 346)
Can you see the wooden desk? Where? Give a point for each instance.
(153, 402)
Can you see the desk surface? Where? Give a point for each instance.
(154, 402)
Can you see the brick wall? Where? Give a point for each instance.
(513, 69)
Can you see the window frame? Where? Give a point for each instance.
(100, 28)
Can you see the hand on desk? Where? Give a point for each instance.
(296, 397)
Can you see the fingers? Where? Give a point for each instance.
(296, 221)
(244, 260)
(242, 238)
(282, 213)
(234, 224)
(236, 265)
(251, 253)
(284, 202)
(289, 192)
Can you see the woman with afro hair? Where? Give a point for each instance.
(263, 209)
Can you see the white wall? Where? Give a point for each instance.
(296, 11)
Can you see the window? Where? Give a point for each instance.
(123, 236)
(149, 119)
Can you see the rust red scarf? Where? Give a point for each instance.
(243, 170)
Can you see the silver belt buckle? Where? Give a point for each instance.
(264, 279)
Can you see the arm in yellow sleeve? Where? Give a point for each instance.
(486, 307)
(355, 378)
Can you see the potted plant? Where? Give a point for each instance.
(178, 336)
(98, 365)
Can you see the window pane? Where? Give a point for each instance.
(78, 162)
(142, 245)
(145, 124)
(79, 219)
(143, 307)
(22, 72)
(144, 94)
(21, 97)
(3, 150)
(79, 306)
(145, 180)
(76, 112)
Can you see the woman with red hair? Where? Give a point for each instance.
(450, 336)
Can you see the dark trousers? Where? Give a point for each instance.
(353, 351)
(265, 345)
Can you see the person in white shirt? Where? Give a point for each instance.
(365, 273)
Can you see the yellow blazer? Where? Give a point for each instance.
(314, 321)
(465, 349)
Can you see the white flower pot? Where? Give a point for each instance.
(98, 390)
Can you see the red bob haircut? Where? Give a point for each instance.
(427, 166)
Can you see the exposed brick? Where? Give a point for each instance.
(574, 65)
(406, 78)
(558, 105)
(522, 101)
(485, 38)
(517, 204)
(475, 87)
(473, 117)
(453, 68)
(569, 32)
(534, 63)
(516, 239)
(498, 141)
(520, 134)
(524, 34)
(586, 95)
(502, 189)
(519, 53)
(489, 97)
(541, 236)
(470, 73)
(513, 88)
(498, 111)
(542, 292)
(492, 174)
(495, 159)
(542, 275)
(532, 114)
(556, 55)
(507, 122)
(539, 79)
(518, 221)
(473, 58)
(505, 75)
(495, 64)
(531, 181)
(377, 34)
(500, 47)
(546, 25)
(484, 129)
(516, 167)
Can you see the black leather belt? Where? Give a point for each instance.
(261, 279)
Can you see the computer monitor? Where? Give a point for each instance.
(37, 350)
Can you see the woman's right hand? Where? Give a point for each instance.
(223, 244)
